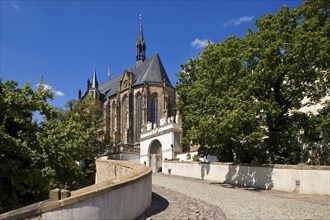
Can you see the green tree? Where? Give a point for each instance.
(69, 139)
(21, 181)
(36, 157)
(317, 142)
(88, 113)
(242, 96)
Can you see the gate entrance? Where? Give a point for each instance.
(159, 144)
(155, 153)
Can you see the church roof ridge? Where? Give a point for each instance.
(151, 71)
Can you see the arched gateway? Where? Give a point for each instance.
(156, 154)
(159, 144)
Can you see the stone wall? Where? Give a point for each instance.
(106, 171)
(122, 191)
(290, 178)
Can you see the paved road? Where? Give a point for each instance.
(178, 198)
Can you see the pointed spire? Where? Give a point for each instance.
(140, 46)
(141, 29)
(95, 84)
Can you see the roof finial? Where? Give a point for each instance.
(109, 71)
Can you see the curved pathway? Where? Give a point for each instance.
(184, 198)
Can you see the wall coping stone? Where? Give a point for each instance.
(139, 171)
(278, 166)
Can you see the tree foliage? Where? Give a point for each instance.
(21, 181)
(36, 157)
(242, 97)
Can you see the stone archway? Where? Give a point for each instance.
(156, 155)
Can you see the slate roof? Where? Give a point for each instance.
(151, 71)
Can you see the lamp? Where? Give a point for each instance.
(172, 151)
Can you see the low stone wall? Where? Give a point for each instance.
(122, 191)
(290, 178)
(106, 170)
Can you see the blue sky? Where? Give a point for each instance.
(63, 40)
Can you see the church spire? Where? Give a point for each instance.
(140, 46)
(95, 84)
(94, 90)
(141, 30)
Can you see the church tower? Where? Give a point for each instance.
(140, 46)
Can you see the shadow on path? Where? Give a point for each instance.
(158, 204)
(230, 186)
(169, 204)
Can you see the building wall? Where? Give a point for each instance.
(113, 111)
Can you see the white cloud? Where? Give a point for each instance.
(14, 5)
(238, 21)
(198, 43)
(59, 93)
(48, 87)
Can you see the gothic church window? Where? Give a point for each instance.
(138, 116)
(124, 114)
(154, 111)
(113, 117)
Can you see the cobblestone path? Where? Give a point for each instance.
(184, 198)
(169, 204)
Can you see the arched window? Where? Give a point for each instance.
(124, 115)
(113, 119)
(154, 111)
(138, 116)
(107, 118)
(169, 110)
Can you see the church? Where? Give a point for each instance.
(139, 100)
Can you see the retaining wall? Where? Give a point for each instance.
(290, 178)
(122, 191)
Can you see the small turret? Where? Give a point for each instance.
(88, 84)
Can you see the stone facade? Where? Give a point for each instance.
(122, 122)
(139, 96)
